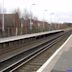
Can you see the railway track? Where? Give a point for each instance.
(37, 62)
(8, 52)
(20, 59)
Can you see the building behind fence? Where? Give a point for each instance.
(14, 25)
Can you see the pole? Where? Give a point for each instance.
(31, 23)
(51, 20)
(44, 20)
(3, 29)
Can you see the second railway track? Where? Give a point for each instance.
(15, 62)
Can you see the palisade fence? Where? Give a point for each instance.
(14, 26)
(15, 31)
(18, 23)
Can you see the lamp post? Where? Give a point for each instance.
(51, 20)
(3, 29)
(43, 22)
(31, 23)
(43, 19)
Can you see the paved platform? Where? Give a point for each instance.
(64, 64)
(13, 38)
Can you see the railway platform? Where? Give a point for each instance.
(13, 38)
(64, 64)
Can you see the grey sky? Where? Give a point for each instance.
(51, 10)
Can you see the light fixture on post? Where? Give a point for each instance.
(51, 14)
(43, 19)
(3, 29)
(31, 22)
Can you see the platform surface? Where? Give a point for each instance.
(8, 39)
(64, 64)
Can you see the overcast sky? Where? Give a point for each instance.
(51, 10)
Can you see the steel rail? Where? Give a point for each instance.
(31, 53)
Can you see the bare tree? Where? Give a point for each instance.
(17, 20)
(0, 9)
(0, 22)
(27, 15)
(17, 11)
